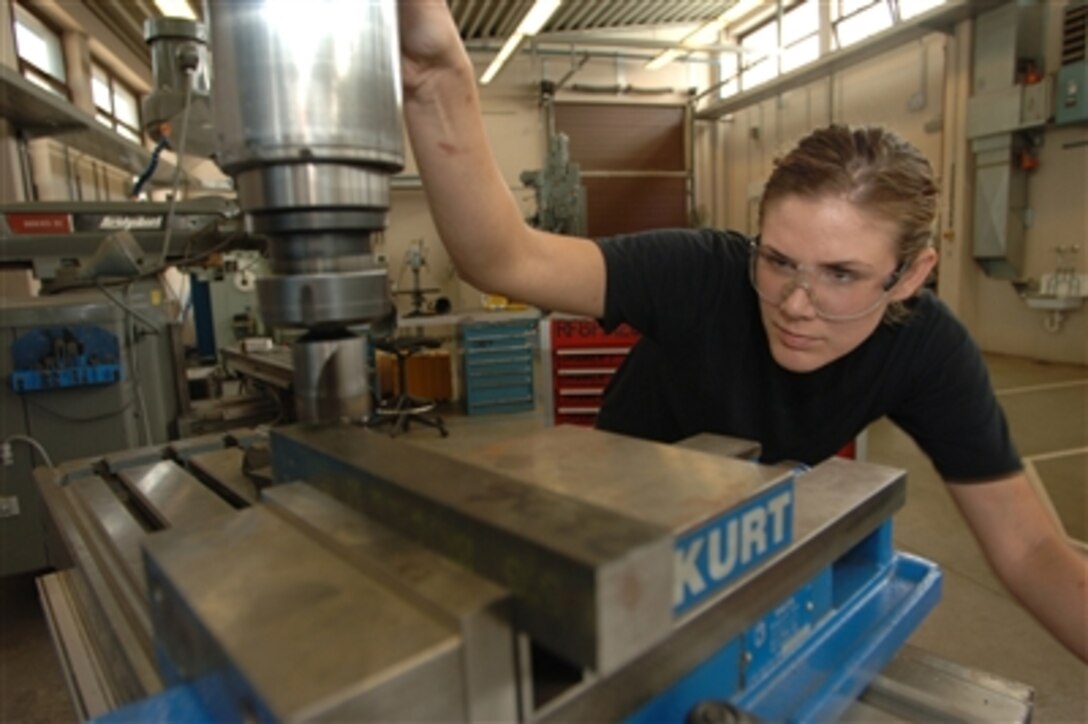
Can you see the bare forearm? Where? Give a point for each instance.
(1052, 583)
(477, 217)
(1030, 553)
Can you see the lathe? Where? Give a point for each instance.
(326, 571)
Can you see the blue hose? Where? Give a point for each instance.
(151, 166)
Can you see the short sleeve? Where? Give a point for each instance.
(662, 282)
(951, 410)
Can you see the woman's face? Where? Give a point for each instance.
(827, 257)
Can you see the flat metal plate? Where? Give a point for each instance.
(587, 581)
(115, 523)
(114, 611)
(291, 631)
(734, 447)
(475, 606)
(665, 485)
(225, 468)
(172, 496)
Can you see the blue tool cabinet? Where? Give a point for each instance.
(497, 366)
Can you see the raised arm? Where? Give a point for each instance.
(1030, 555)
(477, 218)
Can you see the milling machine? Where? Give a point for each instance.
(308, 120)
(564, 575)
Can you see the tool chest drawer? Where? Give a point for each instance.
(497, 366)
(584, 358)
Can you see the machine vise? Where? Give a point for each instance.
(562, 575)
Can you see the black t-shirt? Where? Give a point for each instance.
(704, 365)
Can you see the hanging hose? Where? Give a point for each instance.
(150, 170)
(176, 183)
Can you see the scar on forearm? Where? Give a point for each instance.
(447, 148)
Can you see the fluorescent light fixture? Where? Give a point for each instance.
(511, 45)
(705, 33)
(536, 17)
(530, 25)
(176, 8)
(737, 10)
(663, 59)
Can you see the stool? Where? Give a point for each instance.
(400, 412)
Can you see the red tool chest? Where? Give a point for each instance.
(584, 358)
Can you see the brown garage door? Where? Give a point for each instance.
(633, 164)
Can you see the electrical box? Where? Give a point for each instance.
(1071, 95)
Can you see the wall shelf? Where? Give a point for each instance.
(38, 113)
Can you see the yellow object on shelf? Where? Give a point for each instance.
(499, 303)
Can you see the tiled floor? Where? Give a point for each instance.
(976, 624)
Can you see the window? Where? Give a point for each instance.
(41, 53)
(768, 50)
(909, 8)
(729, 68)
(760, 58)
(858, 19)
(800, 36)
(115, 105)
(763, 60)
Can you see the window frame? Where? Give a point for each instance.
(732, 70)
(774, 58)
(30, 70)
(838, 17)
(115, 122)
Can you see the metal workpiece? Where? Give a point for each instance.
(479, 609)
(838, 504)
(276, 627)
(590, 584)
(96, 612)
(223, 470)
(171, 496)
(103, 509)
(726, 516)
(331, 378)
(664, 485)
(724, 445)
(115, 524)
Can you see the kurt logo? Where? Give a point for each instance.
(715, 554)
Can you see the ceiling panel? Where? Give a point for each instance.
(486, 19)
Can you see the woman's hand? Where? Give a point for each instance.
(429, 42)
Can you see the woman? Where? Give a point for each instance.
(798, 339)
